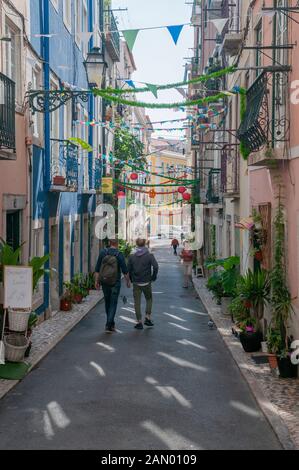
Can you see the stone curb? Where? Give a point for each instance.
(270, 410)
(38, 356)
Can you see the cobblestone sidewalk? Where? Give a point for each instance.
(278, 398)
(46, 335)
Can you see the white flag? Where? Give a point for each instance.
(220, 24)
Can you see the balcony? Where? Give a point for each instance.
(7, 119)
(230, 178)
(265, 127)
(64, 166)
(232, 43)
(112, 36)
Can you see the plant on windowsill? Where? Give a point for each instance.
(281, 301)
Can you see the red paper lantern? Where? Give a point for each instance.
(134, 176)
(121, 194)
(182, 189)
(186, 196)
(152, 194)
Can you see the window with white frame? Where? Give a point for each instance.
(67, 13)
(13, 56)
(36, 117)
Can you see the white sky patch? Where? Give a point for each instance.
(58, 415)
(98, 368)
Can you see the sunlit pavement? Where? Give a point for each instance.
(171, 387)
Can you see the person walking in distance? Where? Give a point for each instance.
(175, 244)
(187, 260)
(143, 270)
(111, 263)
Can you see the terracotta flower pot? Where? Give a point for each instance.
(65, 305)
(78, 298)
(59, 181)
(272, 358)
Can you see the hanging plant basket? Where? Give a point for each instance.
(18, 319)
(15, 347)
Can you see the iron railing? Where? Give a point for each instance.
(98, 174)
(112, 35)
(7, 113)
(64, 169)
(214, 187)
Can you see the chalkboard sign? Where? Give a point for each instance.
(18, 285)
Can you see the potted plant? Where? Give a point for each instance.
(250, 337)
(254, 290)
(66, 300)
(228, 274)
(274, 342)
(215, 286)
(281, 301)
(238, 309)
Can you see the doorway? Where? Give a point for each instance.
(13, 228)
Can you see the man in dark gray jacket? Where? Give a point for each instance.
(143, 269)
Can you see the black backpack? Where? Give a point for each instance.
(109, 270)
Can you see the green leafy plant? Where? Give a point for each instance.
(37, 263)
(281, 301)
(238, 309)
(275, 342)
(125, 248)
(33, 319)
(228, 269)
(254, 288)
(8, 256)
(215, 285)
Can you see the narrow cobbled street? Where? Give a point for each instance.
(171, 387)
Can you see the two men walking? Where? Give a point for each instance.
(142, 270)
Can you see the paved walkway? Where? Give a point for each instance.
(172, 387)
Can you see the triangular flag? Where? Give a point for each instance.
(130, 83)
(130, 36)
(175, 32)
(153, 89)
(220, 24)
(182, 92)
(85, 36)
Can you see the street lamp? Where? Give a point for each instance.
(95, 67)
(47, 101)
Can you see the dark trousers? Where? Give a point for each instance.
(175, 247)
(111, 295)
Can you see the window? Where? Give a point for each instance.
(67, 13)
(258, 42)
(13, 57)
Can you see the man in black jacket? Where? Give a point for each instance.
(143, 269)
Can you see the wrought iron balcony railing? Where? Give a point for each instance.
(7, 113)
(112, 36)
(265, 122)
(64, 166)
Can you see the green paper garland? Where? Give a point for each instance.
(161, 185)
(140, 104)
(202, 78)
(245, 152)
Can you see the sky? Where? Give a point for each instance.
(158, 59)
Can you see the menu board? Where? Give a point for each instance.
(18, 286)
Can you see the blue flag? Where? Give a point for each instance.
(130, 83)
(175, 32)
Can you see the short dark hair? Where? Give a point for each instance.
(140, 242)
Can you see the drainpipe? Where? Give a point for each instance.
(274, 74)
(47, 173)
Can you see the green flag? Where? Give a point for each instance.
(153, 89)
(130, 36)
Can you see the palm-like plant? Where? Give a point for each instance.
(254, 287)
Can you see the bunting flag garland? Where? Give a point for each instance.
(130, 36)
(175, 32)
(153, 89)
(130, 83)
(141, 104)
(220, 24)
(154, 185)
(201, 78)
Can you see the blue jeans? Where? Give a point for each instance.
(111, 295)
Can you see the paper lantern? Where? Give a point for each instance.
(121, 194)
(134, 176)
(182, 189)
(186, 196)
(152, 194)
